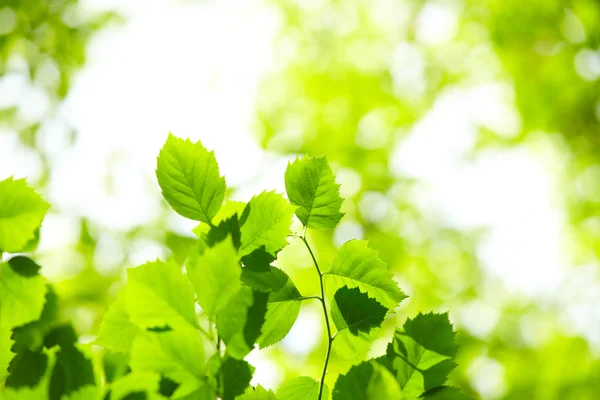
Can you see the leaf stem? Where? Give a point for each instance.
(322, 299)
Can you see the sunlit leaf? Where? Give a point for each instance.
(215, 275)
(188, 175)
(21, 213)
(159, 294)
(355, 265)
(268, 223)
(311, 186)
(302, 388)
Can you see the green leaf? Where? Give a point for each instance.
(23, 394)
(354, 347)
(5, 353)
(270, 279)
(282, 311)
(235, 377)
(257, 393)
(311, 186)
(188, 175)
(21, 213)
(145, 382)
(215, 275)
(27, 369)
(24, 266)
(354, 384)
(421, 356)
(31, 336)
(116, 331)
(432, 331)
(355, 311)
(159, 294)
(239, 323)
(302, 388)
(21, 298)
(268, 223)
(177, 354)
(355, 265)
(72, 371)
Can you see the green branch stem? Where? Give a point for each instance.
(322, 299)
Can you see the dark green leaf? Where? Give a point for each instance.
(356, 311)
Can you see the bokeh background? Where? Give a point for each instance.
(465, 135)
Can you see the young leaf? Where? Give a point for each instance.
(311, 186)
(235, 377)
(282, 311)
(158, 294)
(301, 388)
(21, 213)
(268, 223)
(116, 331)
(215, 275)
(239, 323)
(356, 311)
(177, 354)
(257, 393)
(355, 265)
(188, 175)
(21, 298)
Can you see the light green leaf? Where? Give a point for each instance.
(282, 311)
(302, 388)
(355, 311)
(240, 322)
(24, 393)
(86, 393)
(268, 223)
(355, 265)
(21, 297)
(5, 354)
(310, 184)
(146, 382)
(229, 209)
(188, 175)
(177, 354)
(354, 347)
(215, 275)
(21, 213)
(257, 393)
(116, 331)
(158, 294)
